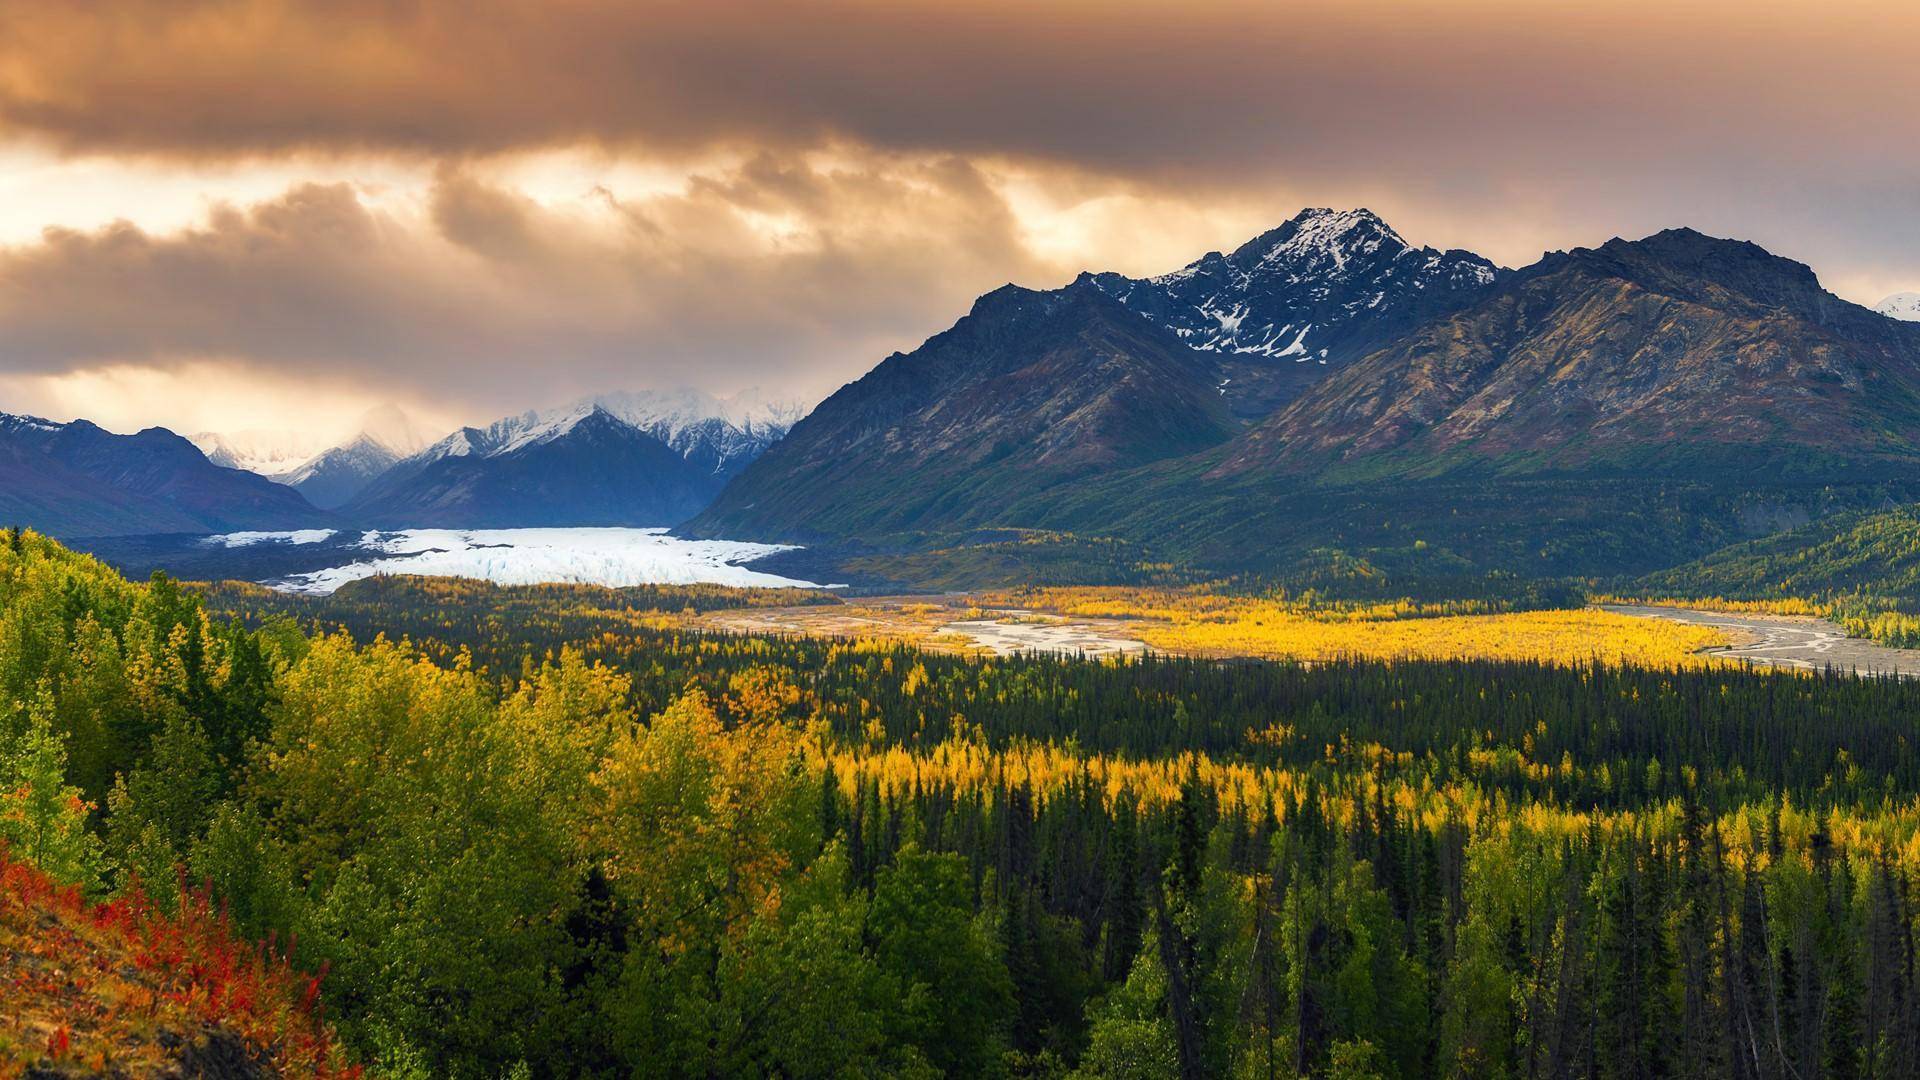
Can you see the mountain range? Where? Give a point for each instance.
(633, 458)
(626, 458)
(328, 475)
(1646, 354)
(1603, 409)
(77, 479)
(1326, 387)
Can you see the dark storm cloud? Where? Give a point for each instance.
(1402, 86)
(491, 296)
(1508, 126)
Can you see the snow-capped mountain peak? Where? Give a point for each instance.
(1321, 289)
(717, 434)
(534, 428)
(669, 414)
(1324, 239)
(269, 453)
(382, 437)
(1903, 306)
(720, 435)
(19, 422)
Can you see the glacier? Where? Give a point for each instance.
(248, 539)
(588, 556)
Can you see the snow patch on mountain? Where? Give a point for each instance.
(1301, 290)
(676, 411)
(721, 435)
(1903, 306)
(15, 422)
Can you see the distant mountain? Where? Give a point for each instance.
(384, 437)
(1321, 290)
(1030, 389)
(668, 454)
(77, 479)
(583, 466)
(1903, 306)
(718, 435)
(334, 476)
(262, 451)
(1679, 352)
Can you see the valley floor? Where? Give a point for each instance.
(1110, 622)
(1671, 634)
(1789, 641)
(946, 623)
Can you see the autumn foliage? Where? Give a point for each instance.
(121, 987)
(1206, 622)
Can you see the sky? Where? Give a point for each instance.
(275, 214)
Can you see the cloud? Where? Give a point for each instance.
(843, 176)
(1133, 87)
(1625, 116)
(793, 273)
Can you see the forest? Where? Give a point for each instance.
(1861, 570)
(559, 836)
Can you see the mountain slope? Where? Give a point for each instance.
(583, 467)
(1679, 352)
(77, 479)
(1873, 553)
(1029, 390)
(1319, 291)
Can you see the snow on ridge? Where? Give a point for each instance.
(669, 414)
(613, 557)
(721, 432)
(1322, 231)
(359, 452)
(1332, 267)
(544, 428)
(1903, 306)
(383, 431)
(23, 422)
(458, 444)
